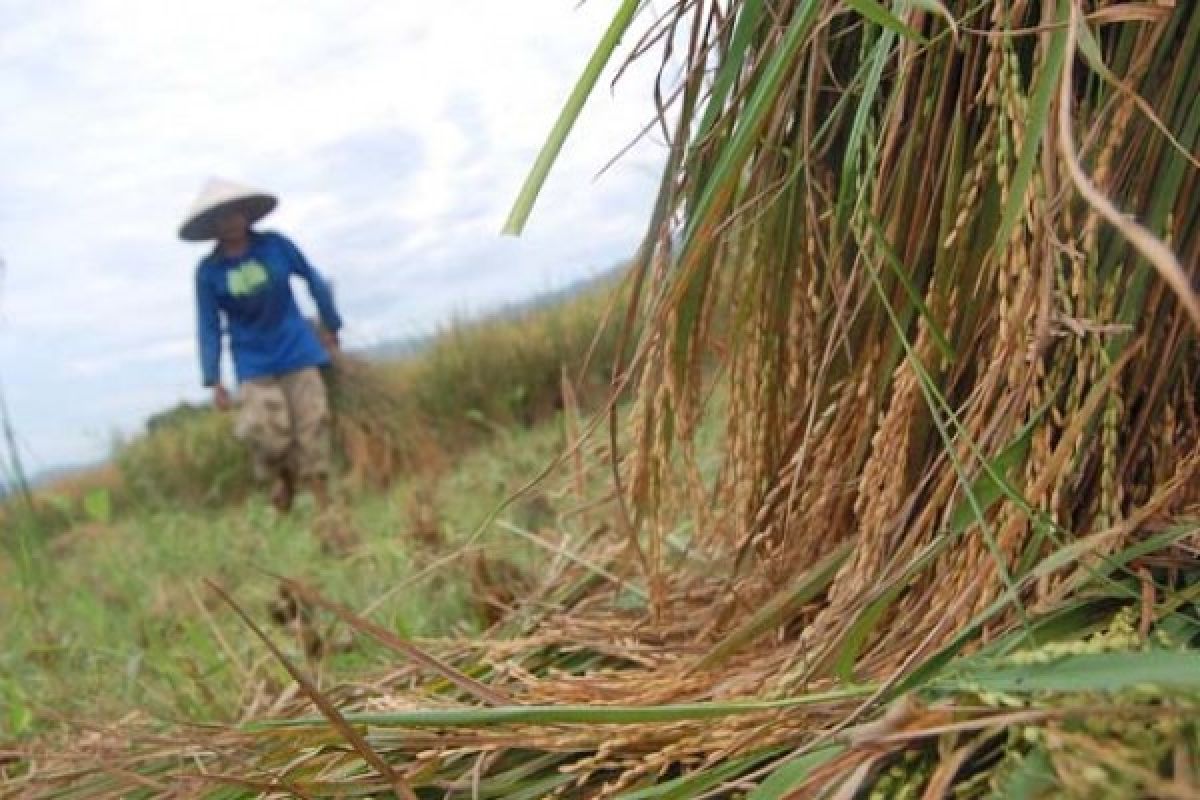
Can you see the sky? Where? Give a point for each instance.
(395, 134)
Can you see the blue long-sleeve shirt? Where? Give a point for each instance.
(267, 333)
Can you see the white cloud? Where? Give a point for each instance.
(108, 363)
(396, 134)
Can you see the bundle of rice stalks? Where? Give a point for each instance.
(896, 229)
(952, 549)
(377, 428)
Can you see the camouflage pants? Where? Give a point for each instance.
(285, 421)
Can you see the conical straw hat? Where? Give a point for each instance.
(218, 197)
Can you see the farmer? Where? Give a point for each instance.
(246, 281)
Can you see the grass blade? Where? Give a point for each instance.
(847, 190)
(1031, 778)
(731, 66)
(873, 11)
(750, 124)
(1064, 556)
(782, 604)
(936, 7)
(914, 297)
(855, 637)
(990, 486)
(1089, 672)
(386, 637)
(573, 714)
(521, 209)
(330, 712)
(1035, 127)
(697, 783)
(793, 772)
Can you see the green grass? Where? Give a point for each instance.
(196, 462)
(118, 616)
(508, 371)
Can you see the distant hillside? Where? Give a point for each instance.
(9, 487)
(53, 474)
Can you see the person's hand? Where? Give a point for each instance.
(330, 340)
(221, 398)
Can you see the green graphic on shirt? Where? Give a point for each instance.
(248, 278)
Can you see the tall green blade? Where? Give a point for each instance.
(884, 18)
(519, 214)
(790, 774)
(569, 714)
(1091, 672)
(725, 175)
(1035, 127)
(732, 61)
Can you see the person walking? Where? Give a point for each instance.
(245, 283)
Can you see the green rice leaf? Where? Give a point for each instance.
(884, 18)
(731, 66)
(699, 782)
(519, 214)
(570, 714)
(786, 601)
(872, 72)
(750, 123)
(936, 7)
(1075, 619)
(858, 633)
(537, 789)
(793, 772)
(1036, 125)
(989, 487)
(1030, 779)
(914, 297)
(1064, 556)
(1089, 672)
